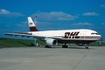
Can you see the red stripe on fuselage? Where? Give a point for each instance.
(33, 29)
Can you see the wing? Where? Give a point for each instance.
(23, 34)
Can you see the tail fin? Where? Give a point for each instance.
(31, 24)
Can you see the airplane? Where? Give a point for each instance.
(81, 37)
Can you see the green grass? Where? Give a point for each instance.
(9, 42)
(97, 44)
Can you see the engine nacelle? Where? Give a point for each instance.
(51, 42)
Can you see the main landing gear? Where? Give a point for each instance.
(65, 46)
(47, 46)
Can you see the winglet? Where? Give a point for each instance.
(32, 25)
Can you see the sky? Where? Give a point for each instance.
(52, 15)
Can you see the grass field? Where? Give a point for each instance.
(9, 42)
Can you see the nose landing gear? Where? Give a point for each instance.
(86, 46)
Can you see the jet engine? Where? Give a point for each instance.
(50, 41)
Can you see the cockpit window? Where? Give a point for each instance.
(94, 34)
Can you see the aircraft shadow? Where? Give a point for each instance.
(71, 47)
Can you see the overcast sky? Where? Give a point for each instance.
(52, 14)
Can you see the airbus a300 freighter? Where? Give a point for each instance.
(81, 37)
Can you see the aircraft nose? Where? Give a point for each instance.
(100, 37)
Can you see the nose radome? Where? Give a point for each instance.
(100, 37)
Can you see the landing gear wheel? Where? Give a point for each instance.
(47, 46)
(87, 47)
(64, 46)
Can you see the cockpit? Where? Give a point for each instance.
(94, 34)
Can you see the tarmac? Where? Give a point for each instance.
(56, 58)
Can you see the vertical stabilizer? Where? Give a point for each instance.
(31, 24)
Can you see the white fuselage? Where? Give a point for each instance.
(77, 34)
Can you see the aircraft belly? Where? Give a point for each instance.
(81, 39)
(75, 41)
